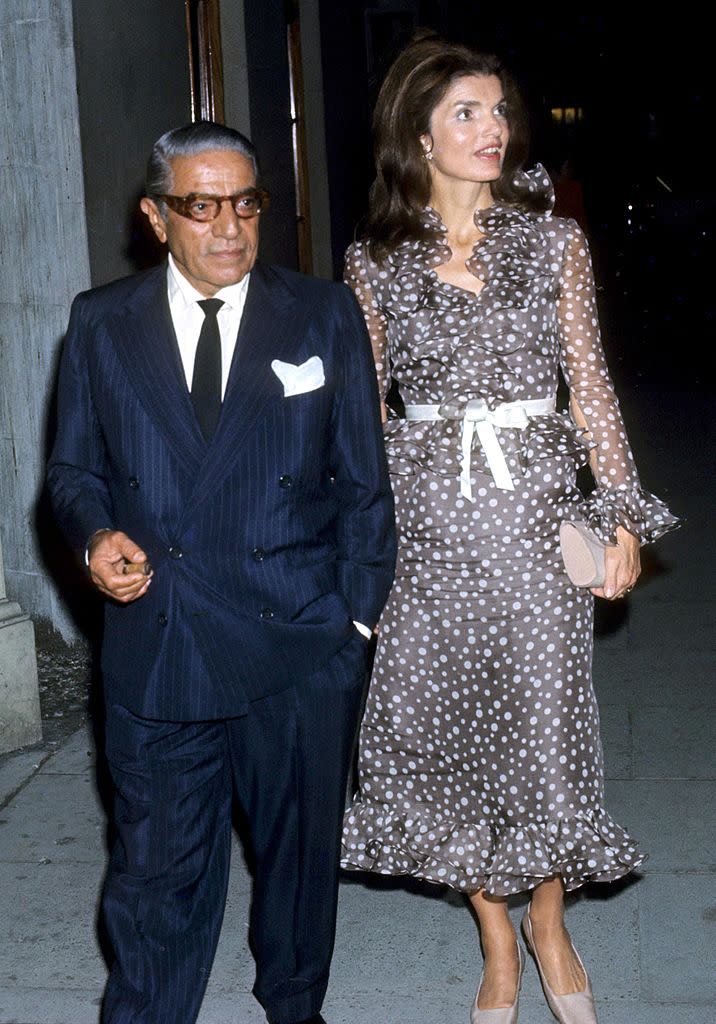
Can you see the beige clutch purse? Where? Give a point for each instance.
(582, 554)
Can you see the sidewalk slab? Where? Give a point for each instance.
(16, 769)
(664, 676)
(678, 939)
(49, 1005)
(673, 742)
(404, 942)
(646, 1013)
(49, 938)
(616, 733)
(692, 620)
(71, 804)
(673, 821)
(75, 756)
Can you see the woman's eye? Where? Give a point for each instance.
(501, 110)
(464, 114)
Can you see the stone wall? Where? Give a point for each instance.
(43, 264)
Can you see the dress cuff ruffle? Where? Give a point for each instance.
(588, 847)
(633, 508)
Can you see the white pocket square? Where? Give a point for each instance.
(297, 380)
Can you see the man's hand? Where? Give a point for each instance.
(108, 553)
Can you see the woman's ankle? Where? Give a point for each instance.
(500, 942)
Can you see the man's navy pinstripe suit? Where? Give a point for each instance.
(240, 667)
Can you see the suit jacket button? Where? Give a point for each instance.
(162, 619)
(285, 481)
(176, 552)
(134, 483)
(266, 613)
(258, 554)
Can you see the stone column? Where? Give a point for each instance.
(19, 693)
(43, 264)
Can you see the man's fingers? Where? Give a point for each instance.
(115, 546)
(136, 557)
(122, 588)
(134, 593)
(118, 566)
(128, 548)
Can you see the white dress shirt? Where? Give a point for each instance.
(188, 318)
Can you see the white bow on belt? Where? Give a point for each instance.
(479, 417)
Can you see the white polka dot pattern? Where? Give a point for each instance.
(480, 758)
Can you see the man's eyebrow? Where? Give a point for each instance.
(213, 195)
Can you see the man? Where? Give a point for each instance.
(232, 445)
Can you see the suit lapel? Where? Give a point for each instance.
(268, 331)
(143, 336)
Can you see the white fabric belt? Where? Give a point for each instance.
(479, 417)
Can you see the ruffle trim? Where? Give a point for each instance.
(589, 847)
(513, 261)
(553, 436)
(513, 257)
(633, 508)
(509, 259)
(414, 445)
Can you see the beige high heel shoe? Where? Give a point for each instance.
(502, 1014)
(573, 1008)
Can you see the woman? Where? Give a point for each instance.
(480, 763)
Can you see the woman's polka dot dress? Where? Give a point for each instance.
(480, 757)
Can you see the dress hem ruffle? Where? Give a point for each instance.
(504, 861)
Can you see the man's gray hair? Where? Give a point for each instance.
(190, 140)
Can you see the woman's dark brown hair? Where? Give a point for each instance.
(414, 85)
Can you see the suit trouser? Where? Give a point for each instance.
(286, 762)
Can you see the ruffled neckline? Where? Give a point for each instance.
(511, 252)
(475, 334)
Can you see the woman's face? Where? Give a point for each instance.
(468, 130)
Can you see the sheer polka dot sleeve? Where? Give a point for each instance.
(618, 499)
(358, 275)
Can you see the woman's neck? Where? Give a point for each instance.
(456, 202)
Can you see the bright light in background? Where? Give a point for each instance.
(567, 115)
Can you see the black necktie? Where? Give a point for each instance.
(206, 380)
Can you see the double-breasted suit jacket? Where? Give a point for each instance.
(266, 542)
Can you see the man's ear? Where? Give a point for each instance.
(150, 208)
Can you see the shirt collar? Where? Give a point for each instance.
(183, 293)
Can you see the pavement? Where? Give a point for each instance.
(407, 954)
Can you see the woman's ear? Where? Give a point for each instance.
(427, 143)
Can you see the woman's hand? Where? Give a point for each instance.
(622, 566)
